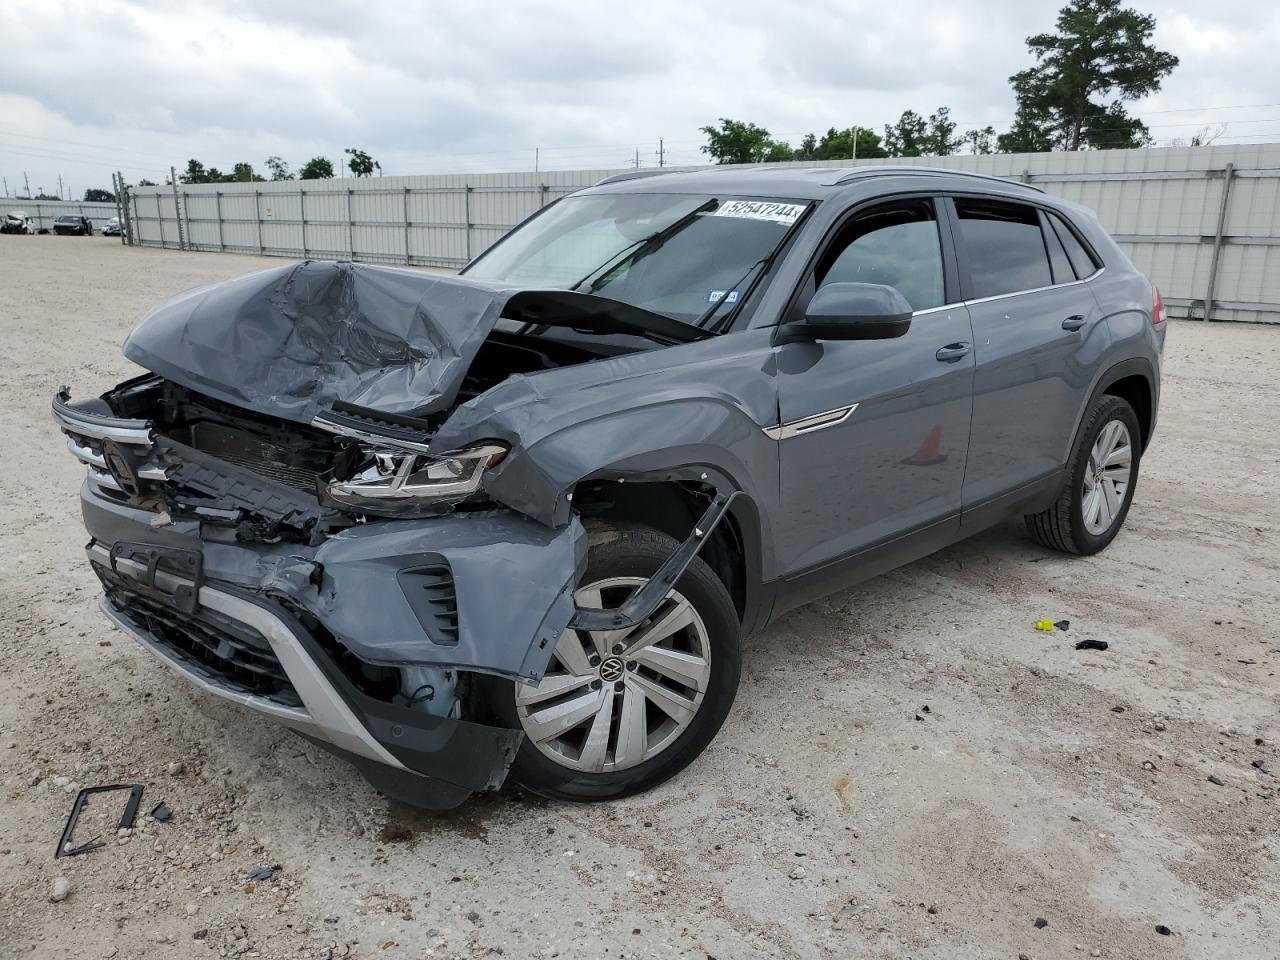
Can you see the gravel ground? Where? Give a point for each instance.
(910, 770)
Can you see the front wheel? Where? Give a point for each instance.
(1100, 486)
(621, 711)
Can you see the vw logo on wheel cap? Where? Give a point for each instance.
(612, 669)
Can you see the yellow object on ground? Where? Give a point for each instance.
(1045, 625)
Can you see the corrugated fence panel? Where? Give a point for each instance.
(1163, 206)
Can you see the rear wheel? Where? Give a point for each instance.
(620, 711)
(1104, 474)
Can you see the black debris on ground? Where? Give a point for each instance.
(1092, 645)
(1041, 923)
(1163, 930)
(1062, 624)
(1216, 780)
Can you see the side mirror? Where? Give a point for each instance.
(853, 311)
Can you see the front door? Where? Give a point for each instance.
(874, 433)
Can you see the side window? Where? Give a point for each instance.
(1081, 259)
(1062, 270)
(1005, 247)
(897, 245)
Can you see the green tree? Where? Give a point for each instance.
(941, 140)
(317, 168)
(278, 169)
(144, 182)
(808, 149)
(96, 195)
(46, 196)
(737, 142)
(1100, 58)
(195, 173)
(907, 137)
(243, 173)
(838, 144)
(361, 164)
(980, 141)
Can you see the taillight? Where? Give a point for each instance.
(1157, 306)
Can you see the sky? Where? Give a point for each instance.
(87, 88)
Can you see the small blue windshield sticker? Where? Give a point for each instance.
(728, 296)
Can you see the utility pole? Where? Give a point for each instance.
(662, 153)
(26, 183)
(535, 159)
(637, 158)
(59, 186)
(6, 185)
(854, 152)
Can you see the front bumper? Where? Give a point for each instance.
(368, 640)
(285, 610)
(427, 760)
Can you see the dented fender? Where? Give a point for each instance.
(372, 578)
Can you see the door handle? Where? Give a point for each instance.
(953, 352)
(1074, 322)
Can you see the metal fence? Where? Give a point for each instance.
(44, 212)
(1202, 222)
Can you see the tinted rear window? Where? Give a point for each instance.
(1062, 269)
(1006, 249)
(1081, 260)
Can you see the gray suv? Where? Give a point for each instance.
(517, 522)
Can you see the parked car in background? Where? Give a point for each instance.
(17, 221)
(112, 228)
(517, 522)
(73, 226)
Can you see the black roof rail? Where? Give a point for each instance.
(637, 175)
(912, 170)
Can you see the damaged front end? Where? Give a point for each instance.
(277, 513)
(224, 545)
(315, 559)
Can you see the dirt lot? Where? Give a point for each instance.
(910, 770)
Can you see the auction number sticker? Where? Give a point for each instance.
(785, 213)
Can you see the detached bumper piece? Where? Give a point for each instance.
(253, 652)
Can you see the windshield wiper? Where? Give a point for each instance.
(641, 248)
(594, 314)
(763, 265)
(711, 310)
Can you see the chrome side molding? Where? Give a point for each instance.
(818, 421)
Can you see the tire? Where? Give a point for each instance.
(630, 554)
(1077, 523)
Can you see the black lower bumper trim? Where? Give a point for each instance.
(406, 786)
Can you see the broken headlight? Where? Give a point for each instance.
(395, 478)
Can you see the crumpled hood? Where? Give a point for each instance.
(289, 341)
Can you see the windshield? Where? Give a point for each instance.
(681, 255)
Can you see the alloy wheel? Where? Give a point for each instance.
(612, 699)
(1107, 477)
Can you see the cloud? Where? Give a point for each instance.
(436, 87)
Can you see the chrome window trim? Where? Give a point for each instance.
(325, 713)
(1052, 286)
(816, 421)
(945, 306)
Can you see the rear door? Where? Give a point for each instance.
(873, 433)
(1034, 322)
